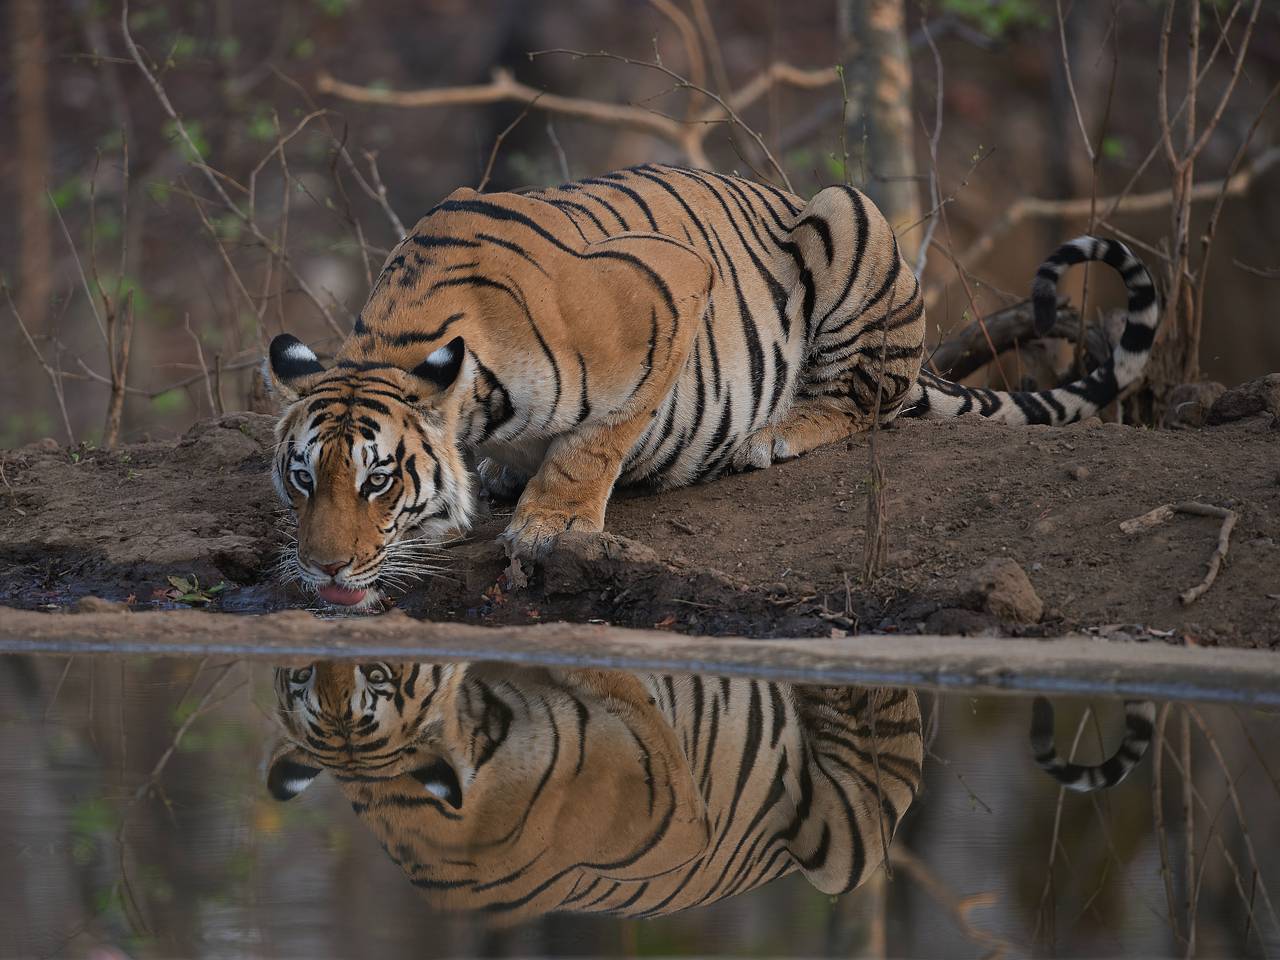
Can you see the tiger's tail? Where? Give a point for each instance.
(933, 398)
(1139, 720)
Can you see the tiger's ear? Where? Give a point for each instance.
(291, 366)
(289, 772)
(442, 366)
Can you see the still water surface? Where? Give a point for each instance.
(491, 810)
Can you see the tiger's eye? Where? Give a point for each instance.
(375, 673)
(301, 675)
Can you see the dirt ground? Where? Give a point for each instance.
(771, 553)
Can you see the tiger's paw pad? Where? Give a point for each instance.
(533, 533)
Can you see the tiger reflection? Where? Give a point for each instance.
(521, 791)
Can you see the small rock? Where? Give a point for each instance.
(1189, 403)
(1001, 588)
(1045, 527)
(98, 605)
(1077, 471)
(1249, 399)
(993, 499)
(49, 444)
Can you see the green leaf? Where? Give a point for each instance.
(1113, 148)
(195, 132)
(171, 401)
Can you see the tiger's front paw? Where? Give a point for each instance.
(533, 531)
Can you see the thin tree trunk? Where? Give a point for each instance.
(881, 122)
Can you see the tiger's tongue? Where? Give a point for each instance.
(342, 596)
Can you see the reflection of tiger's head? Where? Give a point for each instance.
(466, 772)
(372, 720)
(366, 459)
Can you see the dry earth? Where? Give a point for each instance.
(771, 553)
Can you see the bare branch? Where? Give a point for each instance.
(934, 137)
(214, 180)
(497, 144)
(688, 136)
(503, 87)
(1033, 207)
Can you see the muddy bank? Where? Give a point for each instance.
(771, 553)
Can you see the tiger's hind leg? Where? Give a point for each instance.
(808, 425)
(863, 319)
(841, 407)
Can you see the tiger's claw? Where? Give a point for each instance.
(532, 534)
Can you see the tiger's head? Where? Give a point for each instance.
(367, 459)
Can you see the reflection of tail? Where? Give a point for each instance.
(1139, 717)
(933, 398)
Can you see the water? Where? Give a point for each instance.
(139, 821)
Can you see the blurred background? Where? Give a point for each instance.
(222, 170)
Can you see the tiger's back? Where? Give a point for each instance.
(795, 292)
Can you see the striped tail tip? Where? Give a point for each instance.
(1084, 778)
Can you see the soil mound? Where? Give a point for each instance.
(771, 553)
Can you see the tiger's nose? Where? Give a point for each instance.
(332, 568)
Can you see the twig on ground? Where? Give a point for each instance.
(1161, 514)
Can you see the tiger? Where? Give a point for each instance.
(654, 326)
(518, 791)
